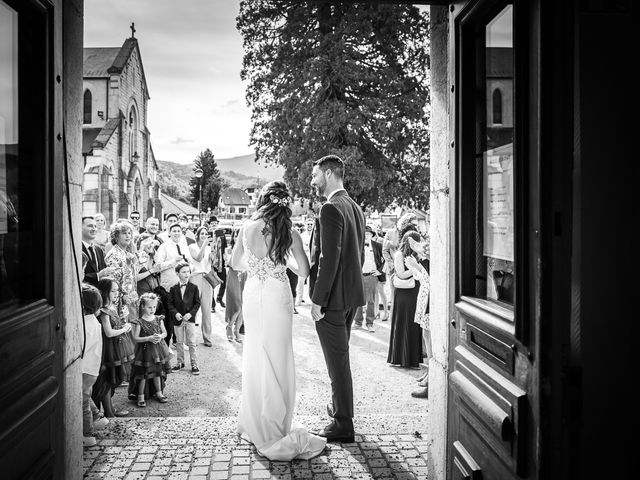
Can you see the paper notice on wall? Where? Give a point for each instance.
(498, 203)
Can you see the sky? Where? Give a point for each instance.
(192, 56)
(8, 77)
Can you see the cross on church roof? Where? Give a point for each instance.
(133, 30)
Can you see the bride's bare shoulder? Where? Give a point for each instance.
(253, 227)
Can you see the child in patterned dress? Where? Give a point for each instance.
(118, 348)
(152, 354)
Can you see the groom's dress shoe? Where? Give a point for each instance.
(334, 434)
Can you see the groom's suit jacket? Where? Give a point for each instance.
(337, 254)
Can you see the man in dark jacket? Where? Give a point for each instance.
(96, 267)
(371, 270)
(335, 286)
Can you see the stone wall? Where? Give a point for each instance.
(98, 88)
(440, 237)
(132, 86)
(71, 387)
(132, 92)
(111, 160)
(125, 91)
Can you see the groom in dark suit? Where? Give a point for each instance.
(335, 286)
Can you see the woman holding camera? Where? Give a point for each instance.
(201, 254)
(233, 310)
(405, 341)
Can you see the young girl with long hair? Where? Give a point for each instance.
(118, 350)
(152, 356)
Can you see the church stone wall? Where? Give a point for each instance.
(98, 88)
(125, 90)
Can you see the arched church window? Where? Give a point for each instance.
(497, 106)
(133, 134)
(87, 107)
(137, 195)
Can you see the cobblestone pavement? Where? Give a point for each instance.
(199, 448)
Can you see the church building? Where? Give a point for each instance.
(120, 170)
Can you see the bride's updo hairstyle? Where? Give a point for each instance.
(273, 208)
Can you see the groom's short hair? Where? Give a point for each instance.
(331, 162)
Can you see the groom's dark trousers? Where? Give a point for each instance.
(335, 283)
(334, 330)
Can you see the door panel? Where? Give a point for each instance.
(487, 334)
(491, 406)
(492, 416)
(463, 466)
(30, 300)
(29, 385)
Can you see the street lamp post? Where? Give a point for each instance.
(198, 173)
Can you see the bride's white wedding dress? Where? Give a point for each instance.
(268, 370)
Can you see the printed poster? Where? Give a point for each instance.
(498, 203)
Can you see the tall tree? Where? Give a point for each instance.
(211, 181)
(349, 79)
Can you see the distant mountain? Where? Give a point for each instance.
(247, 166)
(174, 179)
(240, 172)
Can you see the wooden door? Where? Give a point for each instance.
(30, 246)
(492, 411)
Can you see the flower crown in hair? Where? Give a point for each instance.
(282, 201)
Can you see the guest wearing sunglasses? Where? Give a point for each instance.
(134, 218)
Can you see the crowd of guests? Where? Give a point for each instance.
(145, 293)
(399, 261)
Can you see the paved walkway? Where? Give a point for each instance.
(199, 448)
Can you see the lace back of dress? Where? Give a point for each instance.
(264, 267)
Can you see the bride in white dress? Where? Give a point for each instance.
(267, 246)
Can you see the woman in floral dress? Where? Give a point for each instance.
(123, 260)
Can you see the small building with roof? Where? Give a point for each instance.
(253, 190)
(172, 205)
(120, 170)
(234, 203)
